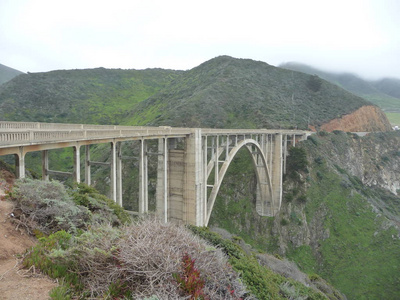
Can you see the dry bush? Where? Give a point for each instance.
(140, 260)
(159, 249)
(46, 206)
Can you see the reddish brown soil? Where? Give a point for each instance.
(15, 282)
(366, 118)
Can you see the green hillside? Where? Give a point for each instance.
(237, 93)
(7, 73)
(222, 92)
(384, 93)
(97, 96)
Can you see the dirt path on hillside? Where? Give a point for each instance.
(17, 283)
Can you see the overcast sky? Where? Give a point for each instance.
(359, 36)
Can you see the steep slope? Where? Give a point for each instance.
(340, 217)
(79, 96)
(237, 93)
(7, 73)
(366, 118)
(384, 92)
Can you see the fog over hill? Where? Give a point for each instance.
(384, 92)
(7, 73)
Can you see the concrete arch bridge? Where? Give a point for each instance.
(191, 162)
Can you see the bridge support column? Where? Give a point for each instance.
(118, 166)
(277, 172)
(45, 165)
(204, 173)
(87, 165)
(113, 172)
(77, 164)
(162, 180)
(193, 185)
(20, 163)
(143, 179)
(285, 147)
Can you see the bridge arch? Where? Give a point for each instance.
(264, 202)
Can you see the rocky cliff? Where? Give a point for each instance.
(367, 118)
(340, 213)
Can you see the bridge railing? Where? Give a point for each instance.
(58, 126)
(13, 136)
(33, 136)
(20, 133)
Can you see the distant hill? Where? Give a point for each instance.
(384, 93)
(222, 92)
(7, 73)
(389, 86)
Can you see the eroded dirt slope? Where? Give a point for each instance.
(367, 118)
(17, 283)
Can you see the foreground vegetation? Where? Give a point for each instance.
(97, 251)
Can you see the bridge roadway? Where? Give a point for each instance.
(192, 162)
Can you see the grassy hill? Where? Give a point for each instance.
(237, 93)
(97, 96)
(7, 73)
(384, 92)
(222, 92)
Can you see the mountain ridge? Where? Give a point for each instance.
(263, 95)
(222, 92)
(384, 92)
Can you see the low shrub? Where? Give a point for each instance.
(189, 279)
(284, 222)
(47, 207)
(138, 261)
(302, 198)
(40, 257)
(104, 208)
(261, 281)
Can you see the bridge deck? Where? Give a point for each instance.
(16, 134)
